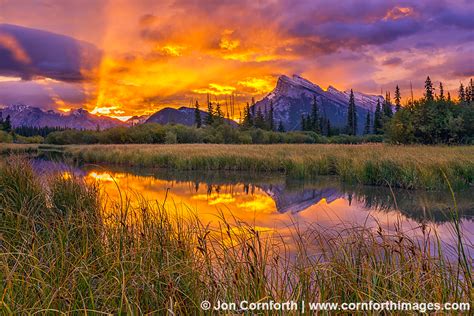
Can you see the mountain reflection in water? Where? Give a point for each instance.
(272, 202)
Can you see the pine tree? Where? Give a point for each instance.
(328, 128)
(449, 96)
(351, 116)
(471, 95)
(210, 112)
(219, 115)
(367, 128)
(247, 121)
(354, 113)
(305, 123)
(441, 91)
(281, 128)
(253, 107)
(462, 96)
(398, 99)
(378, 119)
(7, 124)
(315, 123)
(387, 107)
(259, 121)
(429, 91)
(270, 118)
(197, 115)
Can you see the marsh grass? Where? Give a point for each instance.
(8, 149)
(62, 251)
(410, 167)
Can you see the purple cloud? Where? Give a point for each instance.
(29, 53)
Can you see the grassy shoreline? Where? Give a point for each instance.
(411, 167)
(60, 253)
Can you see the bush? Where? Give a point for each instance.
(5, 137)
(152, 133)
(29, 140)
(299, 138)
(374, 138)
(171, 138)
(346, 139)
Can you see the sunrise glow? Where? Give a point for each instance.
(142, 56)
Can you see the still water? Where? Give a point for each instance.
(272, 203)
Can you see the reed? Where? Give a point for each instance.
(65, 248)
(8, 149)
(411, 167)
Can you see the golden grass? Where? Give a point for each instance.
(6, 148)
(373, 164)
(58, 254)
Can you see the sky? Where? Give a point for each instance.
(122, 58)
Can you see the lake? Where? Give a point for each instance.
(275, 205)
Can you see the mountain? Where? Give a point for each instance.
(292, 97)
(24, 115)
(137, 119)
(295, 201)
(183, 115)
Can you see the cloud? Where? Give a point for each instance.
(163, 53)
(460, 19)
(331, 36)
(44, 93)
(392, 61)
(30, 53)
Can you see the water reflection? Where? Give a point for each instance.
(272, 203)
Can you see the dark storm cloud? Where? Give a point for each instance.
(462, 19)
(30, 53)
(329, 37)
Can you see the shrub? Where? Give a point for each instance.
(5, 137)
(29, 140)
(171, 138)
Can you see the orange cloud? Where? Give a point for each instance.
(398, 13)
(164, 53)
(216, 89)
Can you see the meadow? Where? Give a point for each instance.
(410, 167)
(60, 251)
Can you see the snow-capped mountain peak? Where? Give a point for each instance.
(24, 115)
(292, 98)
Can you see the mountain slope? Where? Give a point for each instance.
(183, 115)
(24, 115)
(292, 98)
(295, 201)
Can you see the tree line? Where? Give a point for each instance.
(5, 124)
(23, 134)
(433, 119)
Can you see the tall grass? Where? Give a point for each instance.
(61, 250)
(8, 149)
(410, 167)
